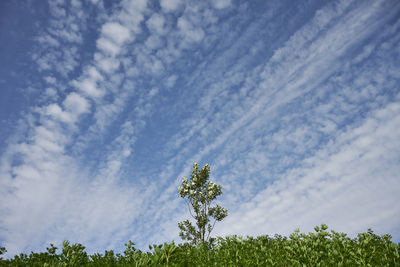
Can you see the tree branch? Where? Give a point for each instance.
(209, 232)
(189, 209)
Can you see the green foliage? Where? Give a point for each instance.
(198, 193)
(319, 248)
(2, 251)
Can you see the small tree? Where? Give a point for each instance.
(198, 193)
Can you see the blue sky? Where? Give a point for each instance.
(105, 106)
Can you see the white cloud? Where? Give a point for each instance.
(108, 64)
(58, 194)
(64, 28)
(132, 72)
(57, 113)
(76, 4)
(62, 204)
(171, 81)
(290, 61)
(51, 92)
(170, 5)
(90, 79)
(184, 24)
(243, 116)
(116, 32)
(48, 40)
(221, 4)
(156, 23)
(153, 92)
(108, 47)
(351, 185)
(43, 63)
(57, 10)
(135, 5)
(131, 15)
(89, 87)
(50, 80)
(224, 127)
(193, 34)
(94, 74)
(70, 35)
(156, 67)
(48, 146)
(76, 104)
(153, 42)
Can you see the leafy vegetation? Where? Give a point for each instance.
(319, 248)
(198, 193)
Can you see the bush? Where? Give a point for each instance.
(320, 248)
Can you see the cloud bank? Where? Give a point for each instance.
(295, 107)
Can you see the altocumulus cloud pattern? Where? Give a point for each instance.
(105, 105)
